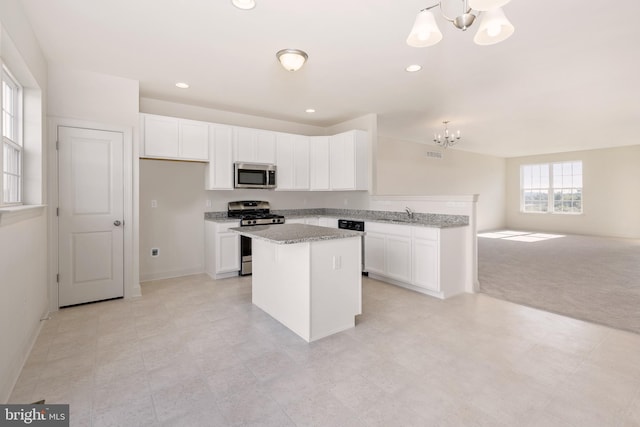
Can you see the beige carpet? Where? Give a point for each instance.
(590, 278)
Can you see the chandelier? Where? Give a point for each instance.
(494, 28)
(446, 139)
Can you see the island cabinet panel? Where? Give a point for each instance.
(281, 284)
(172, 138)
(314, 288)
(219, 170)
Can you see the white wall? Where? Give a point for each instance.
(94, 97)
(611, 206)
(172, 109)
(404, 169)
(23, 245)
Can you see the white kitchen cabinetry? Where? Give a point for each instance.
(255, 145)
(349, 161)
(388, 250)
(319, 163)
(423, 259)
(309, 220)
(172, 138)
(292, 160)
(219, 170)
(222, 249)
(328, 222)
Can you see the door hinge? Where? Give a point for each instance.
(57, 211)
(57, 144)
(57, 278)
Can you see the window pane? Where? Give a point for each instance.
(544, 176)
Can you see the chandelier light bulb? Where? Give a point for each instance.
(494, 28)
(425, 31)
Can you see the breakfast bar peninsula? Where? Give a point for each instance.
(307, 277)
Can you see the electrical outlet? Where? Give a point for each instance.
(154, 203)
(208, 203)
(155, 252)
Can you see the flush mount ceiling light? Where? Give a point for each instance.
(310, 110)
(494, 28)
(446, 139)
(182, 85)
(413, 68)
(292, 59)
(244, 4)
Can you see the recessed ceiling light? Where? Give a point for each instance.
(182, 85)
(310, 110)
(244, 4)
(413, 68)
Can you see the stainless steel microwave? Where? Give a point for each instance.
(254, 175)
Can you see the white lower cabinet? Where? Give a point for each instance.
(423, 259)
(328, 222)
(388, 250)
(222, 249)
(309, 220)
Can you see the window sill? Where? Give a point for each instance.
(14, 214)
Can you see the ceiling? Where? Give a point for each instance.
(566, 80)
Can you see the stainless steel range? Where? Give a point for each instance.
(250, 213)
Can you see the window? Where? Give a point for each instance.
(11, 139)
(551, 187)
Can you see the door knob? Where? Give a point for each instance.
(117, 223)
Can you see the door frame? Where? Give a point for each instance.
(130, 182)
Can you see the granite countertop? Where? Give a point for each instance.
(419, 219)
(285, 234)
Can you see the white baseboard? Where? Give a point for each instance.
(159, 275)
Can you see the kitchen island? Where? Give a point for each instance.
(307, 277)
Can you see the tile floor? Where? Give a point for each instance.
(193, 351)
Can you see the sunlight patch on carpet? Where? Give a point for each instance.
(519, 236)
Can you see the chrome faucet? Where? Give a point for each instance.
(409, 212)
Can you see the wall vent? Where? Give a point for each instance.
(434, 154)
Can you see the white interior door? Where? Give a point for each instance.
(90, 223)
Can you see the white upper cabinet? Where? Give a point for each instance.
(255, 146)
(173, 138)
(349, 161)
(292, 160)
(319, 163)
(219, 170)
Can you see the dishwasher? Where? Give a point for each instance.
(349, 224)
